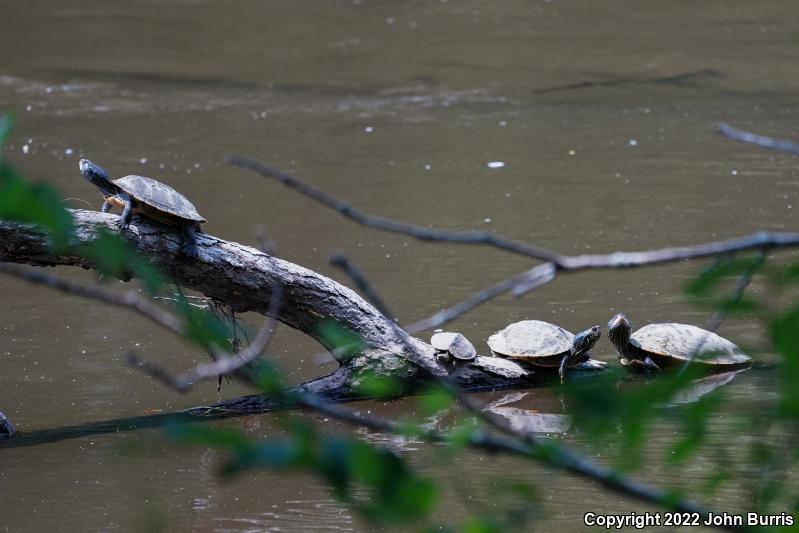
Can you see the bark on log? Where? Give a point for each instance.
(245, 277)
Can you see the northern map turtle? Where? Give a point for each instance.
(543, 344)
(149, 198)
(666, 344)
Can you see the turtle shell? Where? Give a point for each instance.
(679, 341)
(534, 341)
(159, 196)
(454, 344)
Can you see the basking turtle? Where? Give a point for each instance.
(544, 344)
(658, 346)
(149, 198)
(452, 345)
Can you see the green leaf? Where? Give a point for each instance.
(785, 337)
(266, 376)
(374, 386)
(462, 435)
(435, 399)
(481, 525)
(113, 257)
(34, 203)
(199, 434)
(6, 125)
(274, 454)
(347, 343)
(694, 418)
(203, 328)
(721, 270)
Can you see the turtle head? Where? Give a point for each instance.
(585, 340)
(619, 330)
(97, 176)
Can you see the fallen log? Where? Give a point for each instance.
(245, 278)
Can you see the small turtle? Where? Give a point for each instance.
(544, 344)
(452, 345)
(149, 198)
(7, 428)
(658, 346)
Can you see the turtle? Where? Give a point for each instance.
(657, 346)
(7, 428)
(543, 344)
(450, 346)
(149, 198)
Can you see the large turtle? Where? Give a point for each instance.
(544, 344)
(149, 198)
(666, 344)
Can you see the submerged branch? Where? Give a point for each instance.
(772, 143)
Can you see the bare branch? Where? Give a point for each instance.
(393, 226)
(340, 260)
(762, 241)
(781, 145)
(541, 274)
(130, 299)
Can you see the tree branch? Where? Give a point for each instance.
(772, 143)
(130, 299)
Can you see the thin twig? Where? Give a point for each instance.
(339, 260)
(718, 317)
(393, 226)
(130, 299)
(772, 143)
(541, 274)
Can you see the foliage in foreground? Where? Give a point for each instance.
(609, 412)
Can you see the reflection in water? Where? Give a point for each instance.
(699, 387)
(529, 420)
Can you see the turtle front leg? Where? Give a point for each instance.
(650, 365)
(562, 369)
(107, 204)
(127, 212)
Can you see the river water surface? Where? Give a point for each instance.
(575, 125)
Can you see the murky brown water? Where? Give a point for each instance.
(601, 115)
